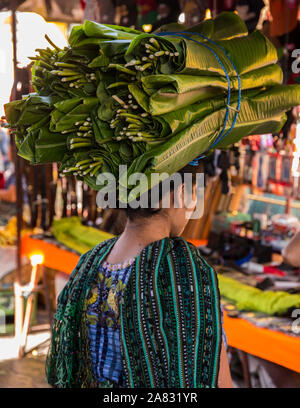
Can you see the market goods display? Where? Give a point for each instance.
(73, 234)
(154, 102)
(249, 298)
(8, 233)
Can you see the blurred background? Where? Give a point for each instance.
(252, 197)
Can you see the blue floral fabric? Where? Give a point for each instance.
(104, 323)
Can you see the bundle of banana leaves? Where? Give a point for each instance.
(154, 102)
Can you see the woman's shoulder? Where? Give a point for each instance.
(179, 243)
(179, 247)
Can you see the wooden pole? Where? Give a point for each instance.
(19, 301)
(28, 313)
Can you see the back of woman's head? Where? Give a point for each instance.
(162, 195)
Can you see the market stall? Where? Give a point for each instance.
(252, 189)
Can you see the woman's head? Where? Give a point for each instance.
(172, 201)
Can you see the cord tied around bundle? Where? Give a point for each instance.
(222, 135)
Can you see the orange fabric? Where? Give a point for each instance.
(284, 18)
(197, 242)
(268, 344)
(54, 257)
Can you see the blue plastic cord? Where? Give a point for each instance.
(221, 136)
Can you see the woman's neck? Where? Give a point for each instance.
(136, 236)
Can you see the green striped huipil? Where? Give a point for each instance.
(170, 319)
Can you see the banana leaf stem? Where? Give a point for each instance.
(81, 162)
(94, 171)
(151, 48)
(133, 62)
(146, 66)
(66, 72)
(84, 166)
(79, 139)
(69, 79)
(119, 100)
(78, 145)
(130, 115)
(154, 42)
(70, 169)
(84, 128)
(52, 43)
(65, 65)
(134, 121)
(94, 165)
(121, 68)
(42, 63)
(135, 126)
(117, 84)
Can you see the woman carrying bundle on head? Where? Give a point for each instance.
(152, 312)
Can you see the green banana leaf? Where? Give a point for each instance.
(261, 111)
(27, 146)
(81, 35)
(159, 94)
(70, 111)
(50, 147)
(43, 146)
(247, 53)
(29, 110)
(117, 96)
(224, 26)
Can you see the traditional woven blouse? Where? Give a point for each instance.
(103, 322)
(169, 321)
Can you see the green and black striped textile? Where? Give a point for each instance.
(171, 332)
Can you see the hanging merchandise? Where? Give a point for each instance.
(249, 11)
(209, 166)
(262, 173)
(193, 11)
(217, 6)
(119, 12)
(280, 178)
(224, 164)
(125, 13)
(147, 12)
(167, 12)
(249, 154)
(260, 170)
(97, 10)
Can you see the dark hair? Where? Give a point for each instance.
(133, 213)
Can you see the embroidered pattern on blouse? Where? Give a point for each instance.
(103, 317)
